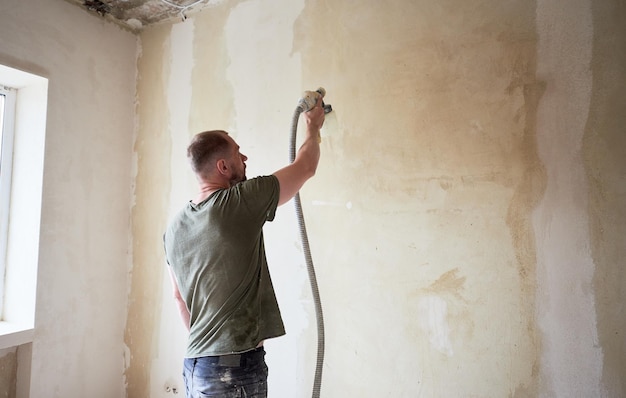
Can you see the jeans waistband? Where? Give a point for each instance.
(230, 360)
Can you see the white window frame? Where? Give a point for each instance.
(21, 253)
(7, 129)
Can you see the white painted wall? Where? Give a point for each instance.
(83, 247)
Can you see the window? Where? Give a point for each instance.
(23, 108)
(7, 117)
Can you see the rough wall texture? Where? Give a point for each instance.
(437, 157)
(452, 246)
(467, 220)
(8, 373)
(147, 220)
(566, 301)
(604, 151)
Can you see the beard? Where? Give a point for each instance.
(237, 178)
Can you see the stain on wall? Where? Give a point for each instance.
(530, 188)
(422, 217)
(8, 372)
(604, 151)
(211, 105)
(436, 103)
(149, 212)
(166, 122)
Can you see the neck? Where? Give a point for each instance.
(206, 189)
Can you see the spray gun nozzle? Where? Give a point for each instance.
(309, 99)
(327, 107)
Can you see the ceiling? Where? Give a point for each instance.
(137, 14)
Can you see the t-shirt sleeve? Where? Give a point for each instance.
(260, 196)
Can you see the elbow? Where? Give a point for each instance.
(306, 168)
(311, 168)
(310, 172)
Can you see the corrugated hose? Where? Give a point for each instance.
(317, 381)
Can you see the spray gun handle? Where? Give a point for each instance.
(309, 99)
(327, 107)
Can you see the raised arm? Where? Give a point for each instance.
(293, 177)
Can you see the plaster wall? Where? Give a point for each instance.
(603, 151)
(77, 348)
(467, 219)
(8, 372)
(450, 219)
(459, 216)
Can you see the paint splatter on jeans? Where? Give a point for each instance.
(241, 376)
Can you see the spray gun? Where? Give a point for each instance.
(309, 99)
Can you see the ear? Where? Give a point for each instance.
(221, 166)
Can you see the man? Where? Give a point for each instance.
(216, 256)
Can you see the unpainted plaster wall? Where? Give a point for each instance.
(8, 372)
(603, 151)
(467, 219)
(566, 311)
(457, 217)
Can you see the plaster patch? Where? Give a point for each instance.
(8, 372)
(126, 356)
(244, 50)
(449, 282)
(432, 314)
(566, 313)
(604, 146)
(149, 214)
(179, 104)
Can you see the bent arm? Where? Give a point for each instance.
(291, 178)
(180, 302)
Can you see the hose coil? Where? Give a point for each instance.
(317, 381)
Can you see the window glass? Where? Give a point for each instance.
(7, 114)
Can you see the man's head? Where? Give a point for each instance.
(214, 155)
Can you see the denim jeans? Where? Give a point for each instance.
(228, 376)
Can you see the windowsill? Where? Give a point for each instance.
(13, 334)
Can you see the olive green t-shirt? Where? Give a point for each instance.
(216, 251)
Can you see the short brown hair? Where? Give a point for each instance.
(204, 149)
